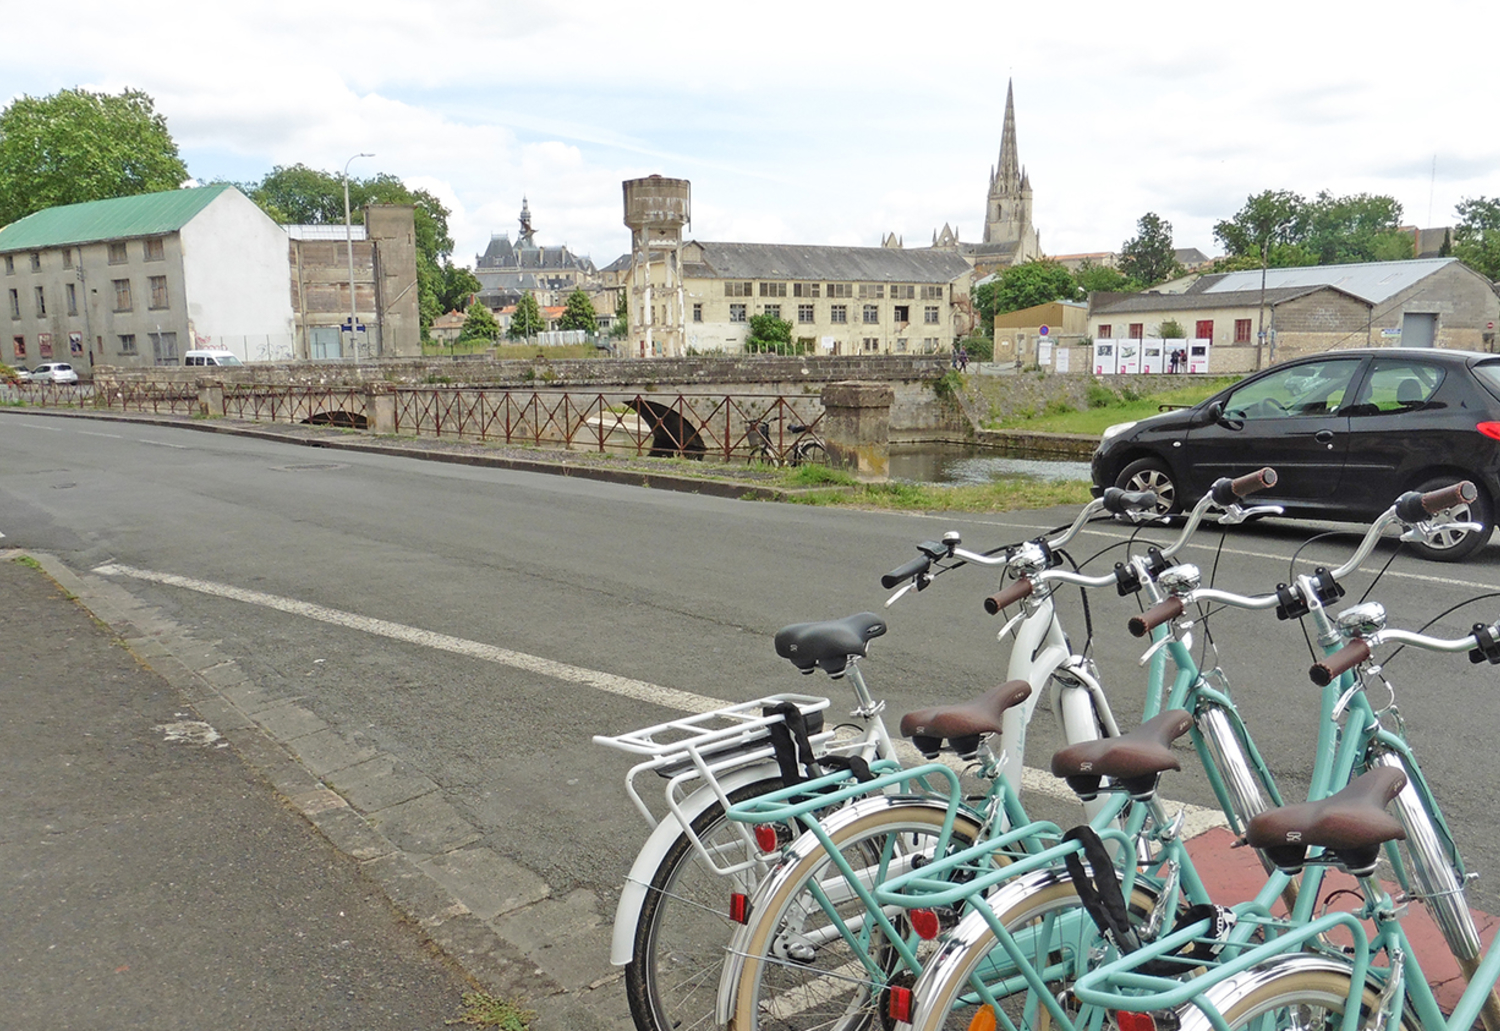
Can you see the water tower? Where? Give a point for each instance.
(656, 209)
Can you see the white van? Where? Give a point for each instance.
(210, 358)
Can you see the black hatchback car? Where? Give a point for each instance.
(1346, 432)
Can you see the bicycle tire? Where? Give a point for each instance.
(772, 991)
(941, 995)
(1311, 994)
(811, 453)
(683, 925)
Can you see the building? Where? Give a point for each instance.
(139, 280)
(1428, 302)
(1019, 335)
(387, 317)
(506, 271)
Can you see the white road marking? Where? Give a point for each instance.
(667, 697)
(91, 433)
(35, 426)
(162, 443)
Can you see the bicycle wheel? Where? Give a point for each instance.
(798, 970)
(672, 980)
(1044, 916)
(1293, 993)
(811, 453)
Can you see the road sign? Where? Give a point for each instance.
(1043, 331)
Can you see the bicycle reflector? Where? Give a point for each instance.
(982, 1020)
(739, 907)
(1489, 429)
(1134, 1021)
(898, 1003)
(765, 837)
(925, 923)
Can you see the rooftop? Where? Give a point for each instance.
(148, 214)
(1373, 281)
(805, 261)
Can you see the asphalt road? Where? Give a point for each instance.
(670, 589)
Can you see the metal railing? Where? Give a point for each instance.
(336, 406)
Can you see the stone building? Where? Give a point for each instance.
(136, 281)
(1430, 302)
(507, 270)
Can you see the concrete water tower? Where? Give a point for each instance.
(656, 209)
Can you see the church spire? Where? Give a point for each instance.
(1008, 174)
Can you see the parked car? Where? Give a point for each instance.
(1346, 432)
(55, 372)
(210, 358)
(20, 374)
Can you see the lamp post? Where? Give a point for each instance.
(349, 246)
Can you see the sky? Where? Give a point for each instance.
(809, 122)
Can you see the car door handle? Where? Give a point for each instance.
(1323, 436)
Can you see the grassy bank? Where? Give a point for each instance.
(817, 485)
(1105, 408)
(504, 350)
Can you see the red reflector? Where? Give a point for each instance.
(1135, 1021)
(765, 837)
(899, 1006)
(739, 907)
(1489, 429)
(925, 923)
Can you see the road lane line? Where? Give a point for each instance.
(91, 433)
(668, 697)
(162, 443)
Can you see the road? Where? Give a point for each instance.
(632, 589)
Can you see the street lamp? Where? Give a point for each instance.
(349, 246)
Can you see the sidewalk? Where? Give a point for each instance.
(152, 879)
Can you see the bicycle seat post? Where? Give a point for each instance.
(867, 707)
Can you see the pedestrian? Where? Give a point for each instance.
(963, 359)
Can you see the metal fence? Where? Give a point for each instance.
(157, 398)
(330, 406)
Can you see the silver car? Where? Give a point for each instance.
(54, 372)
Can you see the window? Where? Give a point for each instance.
(67, 257)
(1242, 331)
(155, 251)
(838, 313)
(773, 289)
(1316, 388)
(10, 264)
(36, 261)
(930, 315)
(874, 291)
(72, 293)
(805, 289)
(164, 348)
(736, 289)
(122, 295)
(41, 302)
(1106, 332)
(19, 343)
(929, 345)
(901, 345)
(872, 314)
(1137, 331)
(840, 289)
(737, 313)
(1396, 385)
(697, 313)
(1204, 329)
(127, 343)
(773, 310)
(15, 304)
(804, 313)
(158, 286)
(932, 293)
(902, 313)
(871, 343)
(117, 254)
(903, 292)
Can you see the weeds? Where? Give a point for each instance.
(482, 1009)
(1002, 496)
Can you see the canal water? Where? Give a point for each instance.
(962, 464)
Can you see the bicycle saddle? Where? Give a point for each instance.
(829, 644)
(1135, 760)
(1352, 824)
(962, 724)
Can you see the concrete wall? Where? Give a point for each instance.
(235, 272)
(393, 229)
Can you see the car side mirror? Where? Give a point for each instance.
(1212, 414)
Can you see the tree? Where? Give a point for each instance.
(76, 146)
(1359, 227)
(620, 328)
(1268, 218)
(527, 321)
(1476, 238)
(1092, 278)
(579, 313)
(1149, 256)
(479, 324)
(1021, 286)
(458, 286)
(770, 334)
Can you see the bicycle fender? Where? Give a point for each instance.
(638, 880)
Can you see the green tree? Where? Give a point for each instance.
(620, 328)
(1171, 329)
(458, 287)
(1476, 238)
(1359, 227)
(770, 334)
(479, 324)
(1093, 278)
(1022, 286)
(76, 146)
(579, 313)
(527, 321)
(1149, 256)
(1267, 219)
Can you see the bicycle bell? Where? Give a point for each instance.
(1363, 620)
(1180, 579)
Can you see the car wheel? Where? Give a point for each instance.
(1454, 545)
(1151, 474)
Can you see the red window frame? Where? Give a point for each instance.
(1204, 330)
(1242, 331)
(1106, 332)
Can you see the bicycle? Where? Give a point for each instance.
(672, 903)
(952, 983)
(806, 448)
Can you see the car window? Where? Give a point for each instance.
(1315, 388)
(1396, 386)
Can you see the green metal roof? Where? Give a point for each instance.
(149, 214)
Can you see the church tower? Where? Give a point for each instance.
(1007, 219)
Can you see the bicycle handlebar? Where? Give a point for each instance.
(1411, 507)
(1226, 491)
(1003, 599)
(1346, 658)
(916, 566)
(1155, 616)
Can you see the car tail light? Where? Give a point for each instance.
(1135, 1021)
(1489, 429)
(898, 1004)
(925, 922)
(739, 907)
(765, 837)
